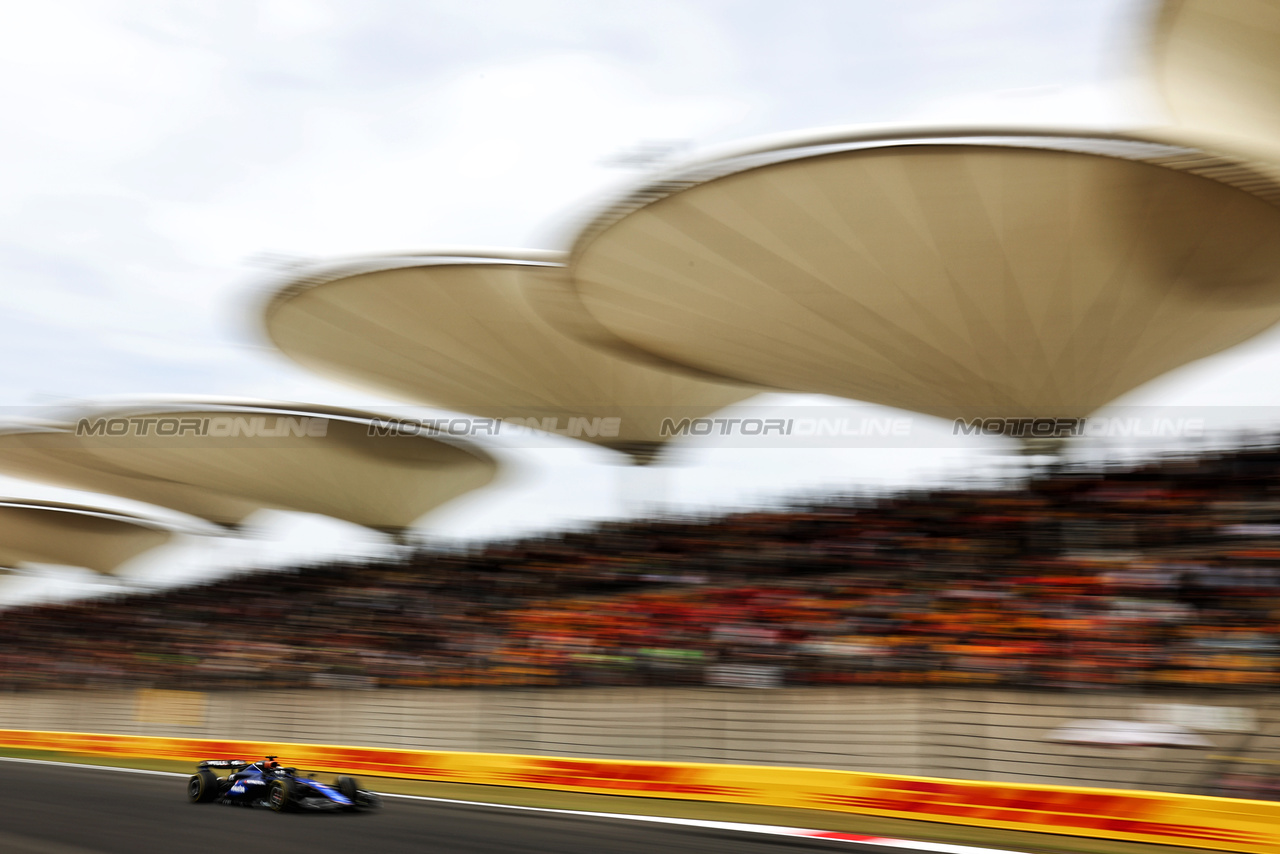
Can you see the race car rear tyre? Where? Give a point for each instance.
(347, 786)
(280, 794)
(202, 787)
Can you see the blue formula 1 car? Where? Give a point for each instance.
(265, 783)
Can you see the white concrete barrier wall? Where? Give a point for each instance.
(967, 734)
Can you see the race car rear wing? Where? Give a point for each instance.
(224, 763)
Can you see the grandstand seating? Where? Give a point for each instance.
(1163, 575)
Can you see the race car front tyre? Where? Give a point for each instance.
(202, 787)
(280, 794)
(347, 786)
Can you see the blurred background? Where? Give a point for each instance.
(164, 162)
(170, 169)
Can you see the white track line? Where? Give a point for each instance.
(764, 829)
(94, 767)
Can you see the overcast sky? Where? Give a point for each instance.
(160, 157)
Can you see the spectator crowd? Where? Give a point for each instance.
(1165, 574)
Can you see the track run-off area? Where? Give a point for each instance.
(62, 808)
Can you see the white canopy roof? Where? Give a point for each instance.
(962, 274)
(73, 535)
(222, 461)
(485, 335)
(1217, 65)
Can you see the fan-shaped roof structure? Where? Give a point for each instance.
(222, 461)
(485, 334)
(73, 535)
(1217, 65)
(966, 274)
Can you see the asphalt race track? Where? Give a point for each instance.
(47, 809)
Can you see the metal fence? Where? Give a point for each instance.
(1003, 736)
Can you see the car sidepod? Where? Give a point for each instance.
(248, 791)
